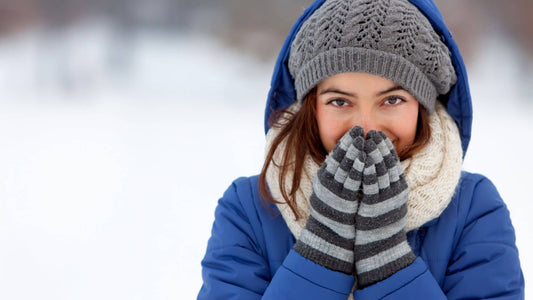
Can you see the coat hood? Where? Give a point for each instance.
(458, 103)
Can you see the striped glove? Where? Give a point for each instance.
(328, 236)
(381, 247)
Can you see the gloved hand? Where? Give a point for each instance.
(381, 247)
(328, 237)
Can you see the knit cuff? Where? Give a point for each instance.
(379, 63)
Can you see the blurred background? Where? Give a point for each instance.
(123, 121)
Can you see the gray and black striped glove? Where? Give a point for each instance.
(381, 247)
(328, 237)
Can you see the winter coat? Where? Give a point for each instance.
(468, 252)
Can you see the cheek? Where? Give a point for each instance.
(330, 129)
(411, 125)
(405, 131)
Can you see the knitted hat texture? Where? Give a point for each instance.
(387, 38)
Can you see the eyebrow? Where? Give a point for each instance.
(392, 89)
(334, 90)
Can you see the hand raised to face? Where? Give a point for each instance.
(381, 247)
(328, 238)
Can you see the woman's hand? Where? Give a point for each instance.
(381, 247)
(328, 237)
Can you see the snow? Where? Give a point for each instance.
(109, 176)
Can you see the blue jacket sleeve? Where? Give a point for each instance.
(235, 265)
(484, 263)
(300, 278)
(412, 282)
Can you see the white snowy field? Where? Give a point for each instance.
(108, 183)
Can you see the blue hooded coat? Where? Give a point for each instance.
(468, 252)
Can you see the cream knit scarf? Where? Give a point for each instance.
(432, 175)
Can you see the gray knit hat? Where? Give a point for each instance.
(387, 38)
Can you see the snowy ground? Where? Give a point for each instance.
(108, 183)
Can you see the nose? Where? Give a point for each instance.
(367, 120)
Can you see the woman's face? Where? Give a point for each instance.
(359, 99)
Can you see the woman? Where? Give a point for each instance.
(362, 194)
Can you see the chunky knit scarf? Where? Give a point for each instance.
(432, 175)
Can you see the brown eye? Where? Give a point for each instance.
(338, 102)
(394, 100)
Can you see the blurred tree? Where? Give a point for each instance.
(16, 14)
(256, 25)
(471, 20)
(518, 16)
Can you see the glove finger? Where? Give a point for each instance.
(374, 135)
(355, 175)
(346, 182)
(371, 149)
(390, 158)
(336, 183)
(335, 157)
(392, 186)
(382, 210)
(357, 131)
(346, 164)
(382, 169)
(389, 152)
(370, 145)
(384, 145)
(348, 138)
(388, 142)
(355, 149)
(370, 182)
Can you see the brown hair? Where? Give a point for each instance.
(423, 133)
(299, 130)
